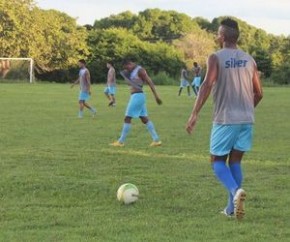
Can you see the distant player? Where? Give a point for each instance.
(4, 67)
(184, 81)
(197, 78)
(85, 88)
(110, 90)
(233, 78)
(136, 76)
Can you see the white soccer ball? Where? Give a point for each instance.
(127, 193)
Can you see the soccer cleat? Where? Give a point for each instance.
(94, 112)
(117, 144)
(239, 200)
(156, 143)
(229, 215)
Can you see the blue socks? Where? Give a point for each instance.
(237, 174)
(223, 173)
(152, 131)
(125, 131)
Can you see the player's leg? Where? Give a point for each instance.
(150, 127)
(188, 90)
(81, 110)
(222, 141)
(180, 90)
(126, 129)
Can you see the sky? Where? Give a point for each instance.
(271, 15)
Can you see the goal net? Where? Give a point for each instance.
(16, 70)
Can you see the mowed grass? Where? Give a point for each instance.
(59, 176)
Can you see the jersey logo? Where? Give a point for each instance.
(234, 63)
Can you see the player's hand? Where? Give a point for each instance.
(191, 123)
(158, 100)
(90, 93)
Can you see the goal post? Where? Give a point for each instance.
(5, 66)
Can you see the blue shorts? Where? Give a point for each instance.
(84, 96)
(196, 81)
(224, 138)
(137, 106)
(184, 83)
(110, 90)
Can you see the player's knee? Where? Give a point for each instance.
(127, 119)
(144, 120)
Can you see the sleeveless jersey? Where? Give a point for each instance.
(133, 78)
(233, 90)
(84, 83)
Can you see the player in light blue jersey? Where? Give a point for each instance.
(184, 81)
(136, 77)
(233, 79)
(85, 88)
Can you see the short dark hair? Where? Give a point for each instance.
(232, 31)
(82, 61)
(126, 60)
(110, 62)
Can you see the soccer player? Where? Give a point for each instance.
(85, 88)
(233, 78)
(184, 82)
(197, 78)
(110, 90)
(136, 76)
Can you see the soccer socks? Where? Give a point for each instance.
(224, 174)
(237, 174)
(152, 131)
(125, 131)
(81, 113)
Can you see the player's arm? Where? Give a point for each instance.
(257, 86)
(144, 76)
(88, 78)
(204, 92)
(75, 83)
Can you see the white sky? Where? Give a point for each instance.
(270, 15)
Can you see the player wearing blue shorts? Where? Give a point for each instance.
(184, 82)
(233, 78)
(85, 88)
(136, 77)
(197, 78)
(110, 90)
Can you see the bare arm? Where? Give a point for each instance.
(110, 78)
(204, 92)
(258, 91)
(88, 78)
(75, 83)
(144, 76)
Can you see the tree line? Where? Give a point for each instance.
(162, 41)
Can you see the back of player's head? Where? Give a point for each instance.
(128, 59)
(82, 61)
(110, 62)
(195, 63)
(230, 30)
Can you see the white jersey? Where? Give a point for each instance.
(233, 90)
(84, 83)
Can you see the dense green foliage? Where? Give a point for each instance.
(160, 40)
(59, 176)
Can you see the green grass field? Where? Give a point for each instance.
(59, 177)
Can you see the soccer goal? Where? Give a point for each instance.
(16, 69)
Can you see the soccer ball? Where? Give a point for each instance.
(127, 193)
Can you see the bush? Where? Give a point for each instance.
(162, 78)
(282, 75)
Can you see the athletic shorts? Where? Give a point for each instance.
(225, 138)
(137, 106)
(196, 81)
(184, 83)
(84, 96)
(110, 90)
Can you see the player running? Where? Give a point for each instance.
(136, 76)
(85, 88)
(110, 90)
(233, 78)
